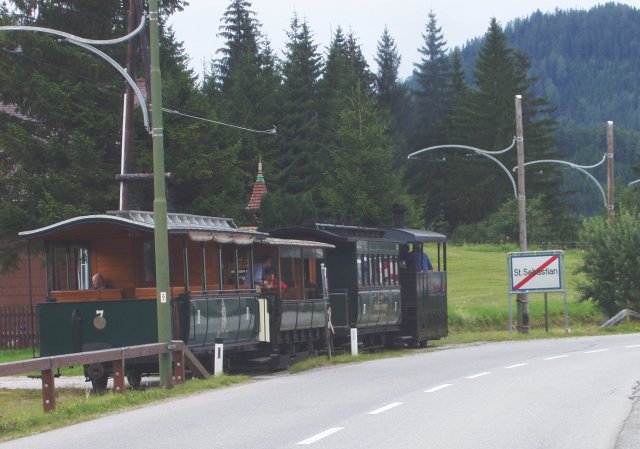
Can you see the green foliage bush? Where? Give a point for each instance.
(502, 226)
(611, 263)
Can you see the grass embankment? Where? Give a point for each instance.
(478, 311)
(478, 293)
(21, 411)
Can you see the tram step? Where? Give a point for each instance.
(403, 338)
(261, 360)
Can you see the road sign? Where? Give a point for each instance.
(537, 271)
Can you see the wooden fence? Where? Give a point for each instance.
(116, 356)
(18, 326)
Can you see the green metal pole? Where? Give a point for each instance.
(160, 202)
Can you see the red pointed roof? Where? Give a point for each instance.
(259, 189)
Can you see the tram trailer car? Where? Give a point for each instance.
(375, 284)
(212, 289)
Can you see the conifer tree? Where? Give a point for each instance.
(345, 68)
(433, 93)
(59, 154)
(475, 186)
(297, 166)
(431, 106)
(389, 91)
(244, 82)
(360, 188)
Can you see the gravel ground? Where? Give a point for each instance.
(60, 382)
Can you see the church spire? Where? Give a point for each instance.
(259, 189)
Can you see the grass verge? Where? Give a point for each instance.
(21, 410)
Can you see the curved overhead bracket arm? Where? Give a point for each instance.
(484, 153)
(123, 72)
(577, 167)
(77, 38)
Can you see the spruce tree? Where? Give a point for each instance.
(58, 153)
(432, 96)
(474, 186)
(389, 91)
(244, 82)
(345, 68)
(297, 166)
(431, 103)
(360, 187)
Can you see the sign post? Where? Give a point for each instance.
(537, 272)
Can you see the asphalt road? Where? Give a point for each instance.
(566, 393)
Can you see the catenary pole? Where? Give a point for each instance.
(522, 299)
(610, 177)
(163, 295)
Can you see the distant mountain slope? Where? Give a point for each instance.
(588, 65)
(588, 62)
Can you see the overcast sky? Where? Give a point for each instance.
(198, 25)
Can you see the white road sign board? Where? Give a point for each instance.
(536, 271)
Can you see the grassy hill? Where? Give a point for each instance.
(478, 292)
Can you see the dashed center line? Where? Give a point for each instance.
(392, 405)
(595, 350)
(557, 357)
(321, 435)
(385, 408)
(478, 375)
(439, 387)
(517, 365)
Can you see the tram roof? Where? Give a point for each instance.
(344, 233)
(414, 235)
(294, 242)
(176, 223)
(332, 233)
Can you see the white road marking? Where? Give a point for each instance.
(557, 357)
(385, 408)
(478, 375)
(439, 387)
(321, 435)
(518, 365)
(595, 350)
(632, 346)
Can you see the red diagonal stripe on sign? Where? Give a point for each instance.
(536, 271)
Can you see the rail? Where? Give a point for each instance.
(46, 365)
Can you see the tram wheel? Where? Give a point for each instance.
(98, 375)
(134, 378)
(100, 384)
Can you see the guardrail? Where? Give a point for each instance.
(46, 365)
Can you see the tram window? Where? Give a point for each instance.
(69, 268)
(365, 270)
(149, 257)
(393, 270)
(234, 271)
(244, 261)
(228, 265)
(82, 268)
(289, 258)
(385, 270)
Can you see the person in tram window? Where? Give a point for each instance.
(259, 270)
(271, 281)
(98, 282)
(421, 262)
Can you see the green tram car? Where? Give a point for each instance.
(213, 294)
(375, 283)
